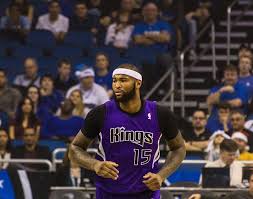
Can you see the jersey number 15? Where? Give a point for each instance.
(142, 156)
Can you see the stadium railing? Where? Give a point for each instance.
(32, 161)
(230, 24)
(184, 71)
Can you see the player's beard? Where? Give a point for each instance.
(126, 96)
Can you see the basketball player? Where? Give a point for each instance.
(129, 131)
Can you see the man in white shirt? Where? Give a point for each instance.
(228, 154)
(54, 21)
(93, 94)
(29, 77)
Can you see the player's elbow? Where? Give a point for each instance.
(70, 152)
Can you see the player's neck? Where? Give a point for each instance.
(131, 106)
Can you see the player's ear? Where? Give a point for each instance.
(138, 83)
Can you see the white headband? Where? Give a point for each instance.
(124, 71)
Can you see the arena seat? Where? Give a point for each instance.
(27, 51)
(79, 39)
(67, 52)
(41, 38)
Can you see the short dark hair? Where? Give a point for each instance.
(150, 2)
(237, 111)
(228, 145)
(63, 61)
(199, 110)
(231, 68)
(129, 66)
(223, 105)
(78, 2)
(49, 76)
(50, 3)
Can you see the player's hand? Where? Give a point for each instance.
(153, 181)
(195, 196)
(228, 89)
(106, 169)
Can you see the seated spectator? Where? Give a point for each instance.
(244, 50)
(93, 94)
(223, 120)
(5, 148)
(50, 97)
(103, 75)
(4, 120)
(230, 91)
(119, 33)
(247, 194)
(9, 97)
(30, 76)
(69, 174)
(197, 138)
(66, 125)
(82, 21)
(213, 148)
(245, 76)
(80, 108)
(15, 25)
(31, 149)
(242, 142)
(95, 8)
(64, 80)
(237, 119)
(26, 9)
(25, 118)
(152, 31)
(54, 21)
(228, 151)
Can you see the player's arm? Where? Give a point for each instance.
(175, 156)
(78, 148)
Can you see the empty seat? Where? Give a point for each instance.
(27, 51)
(41, 38)
(67, 52)
(79, 39)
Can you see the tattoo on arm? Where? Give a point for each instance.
(78, 153)
(174, 157)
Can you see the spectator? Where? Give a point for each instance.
(64, 80)
(82, 21)
(66, 125)
(228, 151)
(242, 142)
(235, 195)
(95, 8)
(9, 97)
(230, 91)
(15, 25)
(245, 50)
(25, 118)
(237, 119)
(50, 97)
(103, 75)
(26, 9)
(54, 21)
(4, 120)
(93, 94)
(152, 31)
(245, 77)
(5, 148)
(197, 138)
(71, 175)
(31, 149)
(213, 148)
(30, 77)
(119, 33)
(223, 120)
(79, 106)
(169, 10)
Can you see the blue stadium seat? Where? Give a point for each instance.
(67, 52)
(12, 66)
(47, 65)
(79, 39)
(82, 60)
(142, 54)
(41, 38)
(27, 51)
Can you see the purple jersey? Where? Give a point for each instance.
(130, 140)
